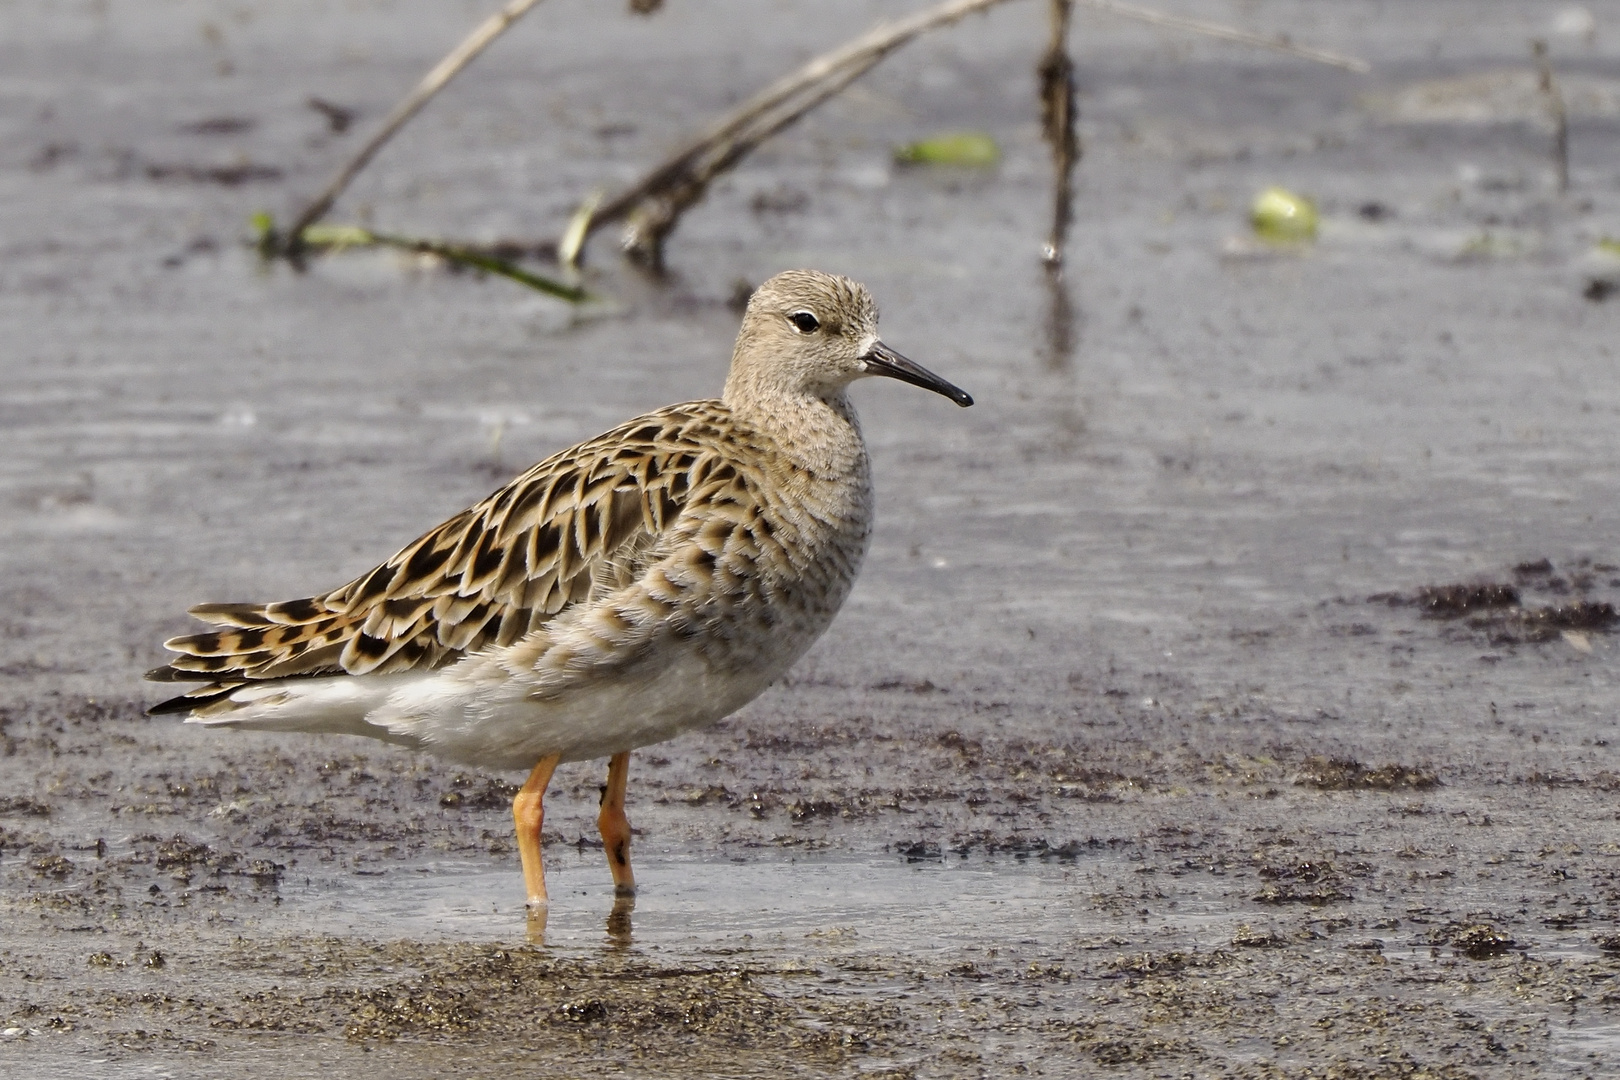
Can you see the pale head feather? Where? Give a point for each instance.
(777, 356)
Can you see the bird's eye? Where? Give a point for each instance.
(805, 322)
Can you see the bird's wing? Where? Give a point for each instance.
(578, 523)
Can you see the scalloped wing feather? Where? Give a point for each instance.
(579, 523)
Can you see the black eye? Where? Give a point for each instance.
(805, 322)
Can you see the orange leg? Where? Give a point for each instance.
(615, 827)
(529, 814)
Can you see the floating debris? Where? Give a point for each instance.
(974, 149)
(1280, 216)
(338, 117)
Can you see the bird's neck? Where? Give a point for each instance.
(819, 433)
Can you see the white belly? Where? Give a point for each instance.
(467, 717)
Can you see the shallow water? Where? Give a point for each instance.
(762, 903)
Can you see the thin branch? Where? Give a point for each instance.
(651, 219)
(657, 200)
(434, 81)
(1229, 33)
(1058, 110)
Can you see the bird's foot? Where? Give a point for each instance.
(537, 912)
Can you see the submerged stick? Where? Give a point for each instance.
(1548, 86)
(490, 264)
(1056, 72)
(655, 203)
(434, 81)
(337, 237)
(1230, 33)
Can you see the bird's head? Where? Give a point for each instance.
(809, 333)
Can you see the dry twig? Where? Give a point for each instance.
(434, 81)
(652, 206)
(1280, 43)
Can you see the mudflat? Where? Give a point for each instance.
(1230, 692)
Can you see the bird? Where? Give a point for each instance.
(644, 583)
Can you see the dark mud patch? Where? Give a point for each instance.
(1347, 774)
(1475, 940)
(23, 806)
(1313, 882)
(181, 857)
(600, 1004)
(478, 793)
(1075, 970)
(233, 175)
(1247, 937)
(1506, 613)
(1020, 847)
(220, 125)
(1599, 289)
(1456, 601)
(685, 1015)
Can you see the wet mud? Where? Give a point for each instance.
(1230, 692)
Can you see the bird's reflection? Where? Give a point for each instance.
(619, 929)
(618, 921)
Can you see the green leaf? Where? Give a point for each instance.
(970, 148)
(1283, 217)
(338, 237)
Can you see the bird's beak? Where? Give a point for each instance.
(882, 360)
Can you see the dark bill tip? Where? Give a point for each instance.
(882, 360)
